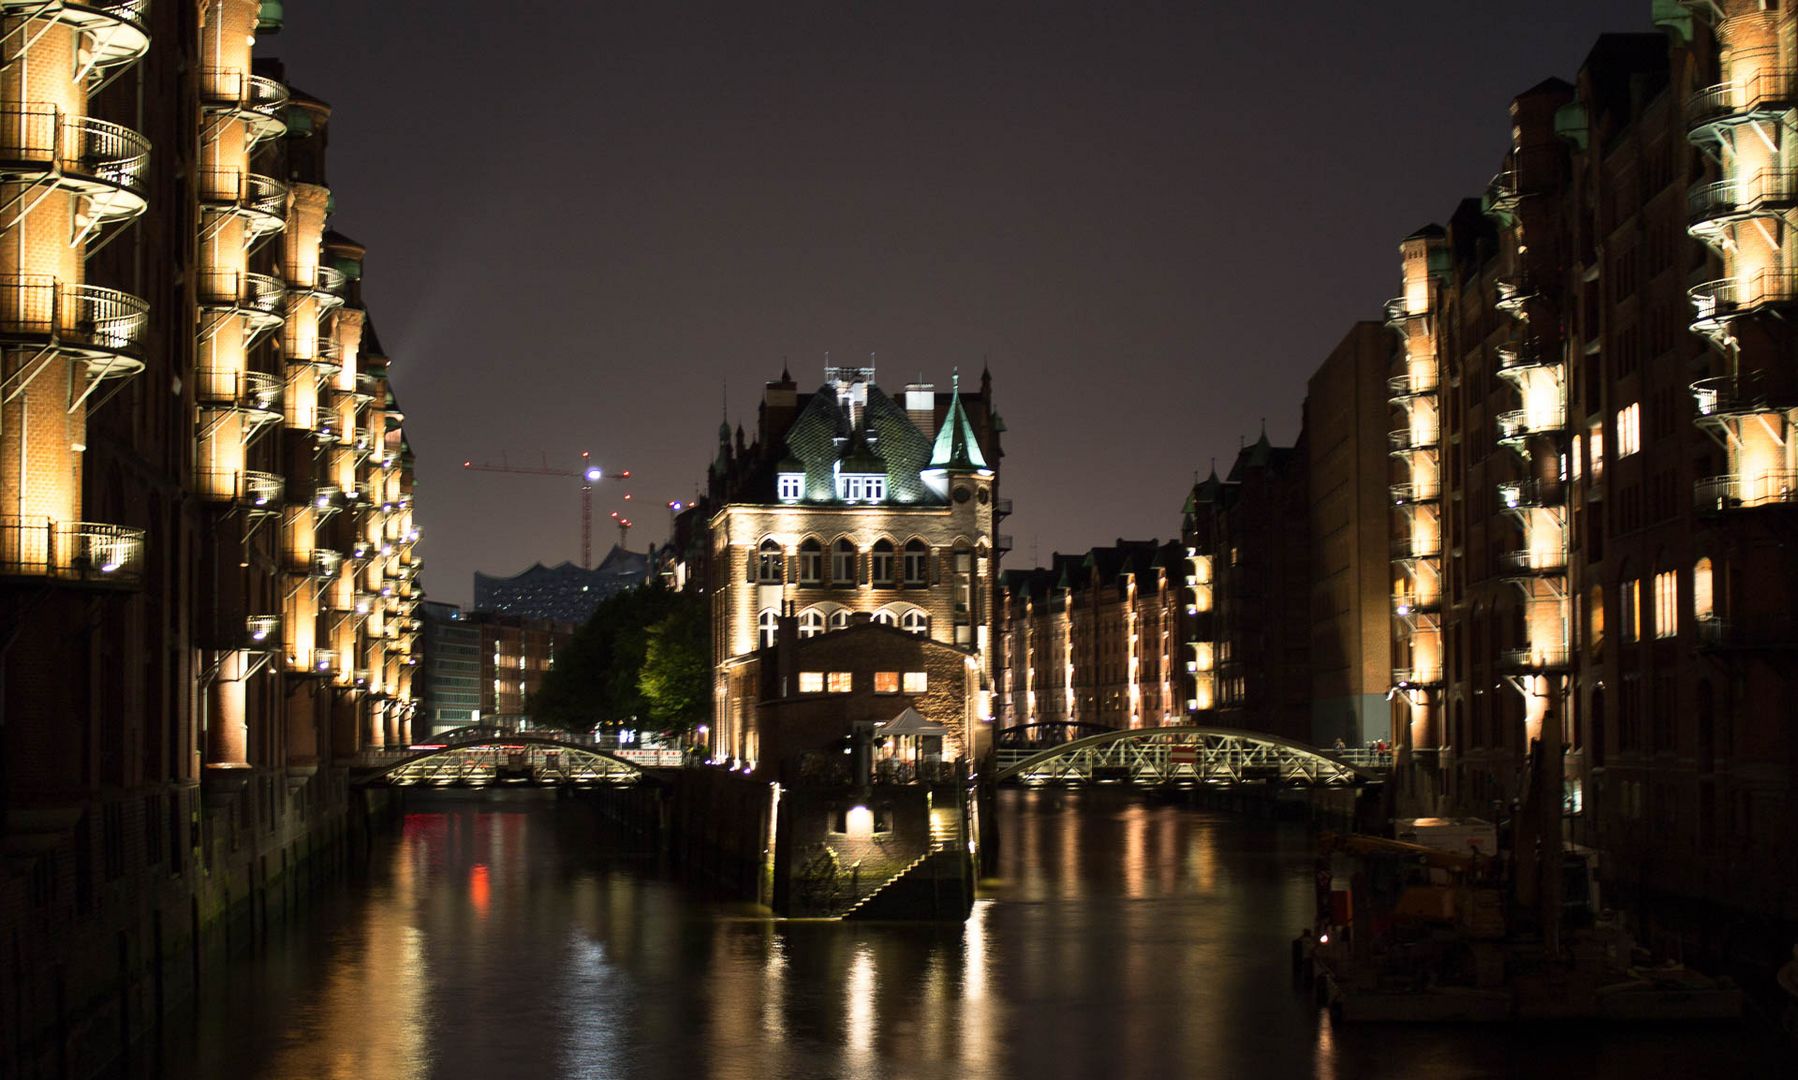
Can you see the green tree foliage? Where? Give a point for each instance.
(598, 678)
(676, 675)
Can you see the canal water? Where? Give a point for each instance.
(1121, 940)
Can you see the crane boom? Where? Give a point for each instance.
(587, 474)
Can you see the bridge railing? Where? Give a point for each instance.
(1184, 755)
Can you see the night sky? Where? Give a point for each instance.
(584, 220)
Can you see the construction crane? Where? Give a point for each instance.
(588, 474)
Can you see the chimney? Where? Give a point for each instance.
(920, 406)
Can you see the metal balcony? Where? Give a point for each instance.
(1002, 542)
(1411, 605)
(250, 489)
(103, 162)
(322, 662)
(256, 101)
(1514, 295)
(1716, 303)
(1747, 393)
(1516, 357)
(1519, 425)
(1534, 561)
(1502, 197)
(1399, 315)
(259, 201)
(114, 32)
(1413, 493)
(1408, 439)
(264, 631)
(368, 389)
(71, 552)
(1416, 547)
(1537, 659)
(1769, 631)
(1530, 494)
(1719, 494)
(1404, 678)
(257, 298)
(1712, 207)
(254, 393)
(105, 327)
(1001, 507)
(327, 288)
(1764, 95)
(1412, 384)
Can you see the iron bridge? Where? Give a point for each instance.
(485, 759)
(1189, 755)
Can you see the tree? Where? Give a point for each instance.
(675, 680)
(595, 680)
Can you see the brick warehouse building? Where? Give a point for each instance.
(1097, 638)
(1593, 478)
(206, 553)
(851, 502)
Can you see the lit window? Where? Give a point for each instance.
(1666, 604)
(811, 563)
(767, 626)
(883, 562)
(885, 618)
(1595, 449)
(811, 682)
(1631, 601)
(811, 623)
(842, 563)
(792, 486)
(1704, 602)
(915, 623)
(886, 682)
(840, 682)
(1629, 429)
(768, 567)
(864, 487)
(916, 682)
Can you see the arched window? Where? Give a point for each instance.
(883, 562)
(768, 568)
(839, 619)
(917, 563)
(885, 618)
(842, 563)
(811, 562)
(767, 626)
(915, 622)
(811, 623)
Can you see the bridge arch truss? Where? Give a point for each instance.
(485, 759)
(1183, 755)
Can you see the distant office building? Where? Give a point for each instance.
(451, 691)
(516, 652)
(565, 593)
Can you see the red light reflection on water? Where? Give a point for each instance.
(478, 888)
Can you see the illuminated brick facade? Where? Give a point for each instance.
(850, 501)
(206, 545)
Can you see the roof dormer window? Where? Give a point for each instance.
(862, 487)
(791, 486)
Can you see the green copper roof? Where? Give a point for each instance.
(956, 448)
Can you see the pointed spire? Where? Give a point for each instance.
(956, 447)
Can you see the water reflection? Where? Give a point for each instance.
(1120, 939)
